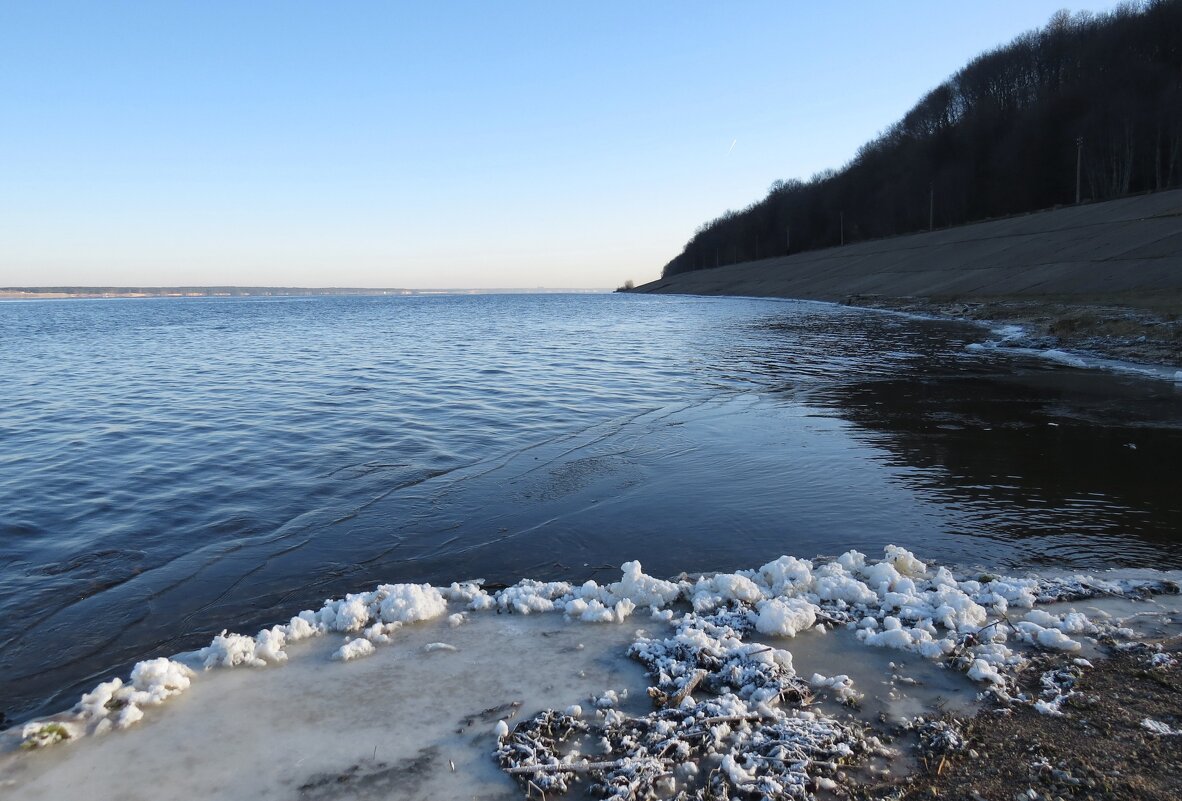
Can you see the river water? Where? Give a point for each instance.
(173, 467)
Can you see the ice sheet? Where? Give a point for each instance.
(391, 725)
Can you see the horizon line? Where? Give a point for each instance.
(67, 293)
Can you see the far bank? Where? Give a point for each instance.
(1101, 277)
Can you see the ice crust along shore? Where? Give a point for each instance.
(1013, 338)
(717, 651)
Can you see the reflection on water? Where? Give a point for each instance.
(173, 467)
(1080, 468)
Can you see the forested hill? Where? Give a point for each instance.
(1001, 136)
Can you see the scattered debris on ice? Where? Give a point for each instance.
(718, 747)
(940, 736)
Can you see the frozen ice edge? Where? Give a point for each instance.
(1008, 336)
(735, 623)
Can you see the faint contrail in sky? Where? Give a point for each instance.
(732, 147)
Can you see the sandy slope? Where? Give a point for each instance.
(1103, 277)
(1133, 245)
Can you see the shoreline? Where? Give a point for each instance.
(1128, 338)
(1101, 278)
(1108, 742)
(716, 656)
(1125, 332)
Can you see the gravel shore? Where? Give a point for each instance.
(1117, 738)
(1143, 329)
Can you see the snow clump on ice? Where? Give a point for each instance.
(354, 649)
(115, 704)
(785, 617)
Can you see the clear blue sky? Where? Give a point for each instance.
(490, 144)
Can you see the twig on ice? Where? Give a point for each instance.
(576, 767)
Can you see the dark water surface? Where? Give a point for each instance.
(169, 468)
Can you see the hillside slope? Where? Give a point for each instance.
(1129, 248)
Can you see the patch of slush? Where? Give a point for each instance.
(1157, 617)
(759, 682)
(896, 686)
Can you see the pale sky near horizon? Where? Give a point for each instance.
(435, 145)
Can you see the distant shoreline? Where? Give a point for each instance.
(94, 292)
(1102, 278)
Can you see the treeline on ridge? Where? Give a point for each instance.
(1001, 136)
